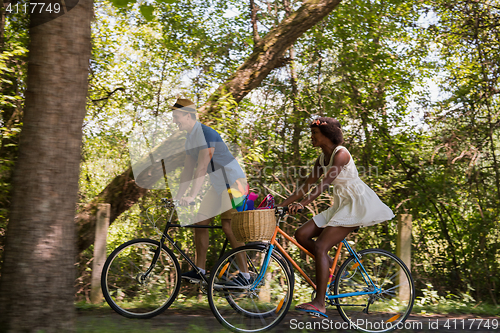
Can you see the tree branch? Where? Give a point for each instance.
(253, 18)
(109, 95)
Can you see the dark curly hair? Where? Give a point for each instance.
(330, 128)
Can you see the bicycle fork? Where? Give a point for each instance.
(143, 277)
(263, 268)
(371, 289)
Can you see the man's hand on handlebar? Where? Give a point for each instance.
(185, 201)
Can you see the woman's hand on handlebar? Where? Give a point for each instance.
(295, 208)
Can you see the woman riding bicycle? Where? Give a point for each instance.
(354, 204)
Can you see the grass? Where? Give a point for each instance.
(423, 306)
(99, 318)
(131, 326)
(432, 303)
(480, 309)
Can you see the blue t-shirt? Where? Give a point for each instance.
(223, 168)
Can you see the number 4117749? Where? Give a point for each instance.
(34, 7)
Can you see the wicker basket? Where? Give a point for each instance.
(253, 225)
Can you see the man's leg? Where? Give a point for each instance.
(209, 207)
(226, 207)
(226, 227)
(201, 240)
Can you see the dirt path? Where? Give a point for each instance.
(202, 320)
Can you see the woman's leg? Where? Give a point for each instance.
(328, 237)
(305, 234)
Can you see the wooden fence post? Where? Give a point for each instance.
(101, 232)
(403, 250)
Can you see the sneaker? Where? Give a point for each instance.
(192, 276)
(239, 281)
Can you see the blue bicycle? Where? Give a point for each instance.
(375, 291)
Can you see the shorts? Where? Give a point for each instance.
(214, 204)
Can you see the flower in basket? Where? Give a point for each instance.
(267, 203)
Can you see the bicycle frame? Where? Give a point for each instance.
(167, 237)
(274, 245)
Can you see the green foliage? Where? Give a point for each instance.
(431, 302)
(146, 10)
(13, 68)
(370, 65)
(17, 51)
(458, 178)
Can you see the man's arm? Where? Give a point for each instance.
(204, 158)
(186, 176)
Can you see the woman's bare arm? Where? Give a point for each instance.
(306, 186)
(340, 160)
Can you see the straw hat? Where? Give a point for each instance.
(184, 105)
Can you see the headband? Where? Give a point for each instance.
(317, 122)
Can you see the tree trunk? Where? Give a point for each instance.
(3, 14)
(38, 273)
(267, 55)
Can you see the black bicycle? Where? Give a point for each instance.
(142, 277)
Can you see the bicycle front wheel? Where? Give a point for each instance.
(390, 305)
(129, 290)
(254, 304)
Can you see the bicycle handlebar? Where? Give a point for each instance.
(282, 211)
(170, 203)
(173, 202)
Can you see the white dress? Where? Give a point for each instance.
(354, 203)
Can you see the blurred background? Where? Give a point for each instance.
(415, 86)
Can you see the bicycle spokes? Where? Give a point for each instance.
(250, 304)
(133, 286)
(382, 289)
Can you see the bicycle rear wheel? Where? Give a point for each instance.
(255, 306)
(384, 310)
(129, 291)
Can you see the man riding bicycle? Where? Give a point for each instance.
(206, 153)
